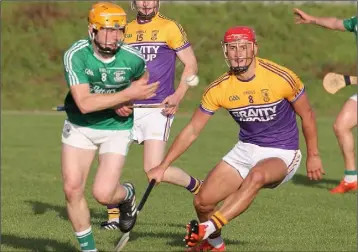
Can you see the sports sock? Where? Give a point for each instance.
(350, 176)
(194, 185)
(86, 240)
(216, 222)
(113, 213)
(215, 239)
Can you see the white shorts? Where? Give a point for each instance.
(354, 97)
(244, 156)
(151, 124)
(113, 141)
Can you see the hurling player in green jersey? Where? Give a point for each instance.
(347, 117)
(103, 75)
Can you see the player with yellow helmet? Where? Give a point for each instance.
(102, 74)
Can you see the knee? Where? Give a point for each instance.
(336, 127)
(73, 191)
(201, 206)
(102, 195)
(256, 178)
(339, 127)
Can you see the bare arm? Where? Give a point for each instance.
(188, 58)
(186, 137)
(332, 23)
(309, 128)
(88, 102)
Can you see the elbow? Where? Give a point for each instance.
(84, 107)
(310, 116)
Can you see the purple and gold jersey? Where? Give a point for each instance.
(158, 40)
(261, 106)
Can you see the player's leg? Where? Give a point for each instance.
(106, 189)
(221, 182)
(272, 167)
(77, 155)
(345, 122)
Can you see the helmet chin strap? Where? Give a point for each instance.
(145, 17)
(240, 69)
(105, 51)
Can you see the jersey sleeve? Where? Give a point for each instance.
(139, 68)
(294, 87)
(74, 68)
(177, 38)
(210, 101)
(350, 23)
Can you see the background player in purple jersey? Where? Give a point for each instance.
(347, 117)
(263, 98)
(160, 40)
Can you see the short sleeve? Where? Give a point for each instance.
(295, 87)
(74, 67)
(210, 101)
(177, 38)
(137, 62)
(350, 23)
(139, 68)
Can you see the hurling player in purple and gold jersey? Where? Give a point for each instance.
(264, 99)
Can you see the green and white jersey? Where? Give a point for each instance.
(351, 24)
(82, 66)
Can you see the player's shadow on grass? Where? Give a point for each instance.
(34, 244)
(303, 180)
(42, 208)
(174, 239)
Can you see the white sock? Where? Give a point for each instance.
(350, 178)
(216, 242)
(210, 228)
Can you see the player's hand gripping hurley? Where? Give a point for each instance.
(125, 237)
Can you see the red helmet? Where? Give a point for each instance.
(235, 36)
(240, 33)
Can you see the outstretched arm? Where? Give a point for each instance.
(332, 23)
(181, 143)
(186, 137)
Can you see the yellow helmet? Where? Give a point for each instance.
(107, 15)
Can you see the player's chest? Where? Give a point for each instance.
(145, 34)
(246, 94)
(107, 78)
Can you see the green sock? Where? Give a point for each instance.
(86, 240)
(350, 172)
(350, 176)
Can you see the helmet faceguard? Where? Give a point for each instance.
(106, 23)
(239, 48)
(148, 12)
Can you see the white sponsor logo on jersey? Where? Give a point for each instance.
(255, 114)
(89, 72)
(149, 51)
